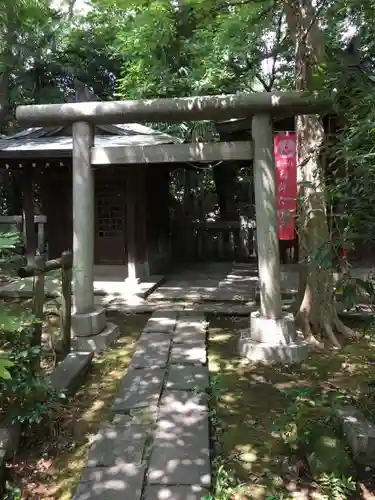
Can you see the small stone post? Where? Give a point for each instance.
(86, 321)
(272, 334)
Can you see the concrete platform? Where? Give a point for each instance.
(214, 282)
(214, 288)
(107, 288)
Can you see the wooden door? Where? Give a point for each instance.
(110, 223)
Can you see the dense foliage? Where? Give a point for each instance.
(24, 391)
(160, 48)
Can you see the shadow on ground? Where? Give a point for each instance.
(250, 399)
(51, 460)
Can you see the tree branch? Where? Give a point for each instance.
(266, 86)
(239, 3)
(278, 40)
(275, 54)
(318, 10)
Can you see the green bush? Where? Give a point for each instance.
(24, 392)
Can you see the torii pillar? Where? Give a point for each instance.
(89, 323)
(272, 335)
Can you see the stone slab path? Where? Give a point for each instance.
(156, 446)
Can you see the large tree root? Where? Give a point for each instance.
(328, 326)
(330, 334)
(347, 332)
(303, 323)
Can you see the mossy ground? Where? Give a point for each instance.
(251, 398)
(50, 462)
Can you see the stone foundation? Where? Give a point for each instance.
(99, 342)
(272, 340)
(88, 324)
(92, 333)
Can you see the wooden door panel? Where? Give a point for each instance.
(109, 223)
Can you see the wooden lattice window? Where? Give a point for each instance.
(110, 212)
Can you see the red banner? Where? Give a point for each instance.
(286, 184)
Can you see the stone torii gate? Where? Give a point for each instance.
(272, 334)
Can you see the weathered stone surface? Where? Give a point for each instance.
(183, 402)
(152, 350)
(89, 324)
(329, 455)
(142, 417)
(191, 353)
(190, 315)
(180, 453)
(69, 373)
(272, 331)
(190, 328)
(122, 482)
(161, 321)
(359, 434)
(227, 309)
(139, 388)
(97, 343)
(116, 446)
(154, 337)
(295, 352)
(187, 377)
(181, 492)
(189, 336)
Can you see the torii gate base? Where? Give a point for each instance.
(272, 335)
(272, 340)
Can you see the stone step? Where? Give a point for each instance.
(161, 321)
(181, 439)
(152, 350)
(119, 482)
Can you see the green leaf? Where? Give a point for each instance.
(4, 365)
(349, 296)
(367, 286)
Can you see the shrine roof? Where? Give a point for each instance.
(40, 141)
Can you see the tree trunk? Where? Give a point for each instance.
(315, 306)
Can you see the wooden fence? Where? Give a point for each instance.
(214, 240)
(38, 270)
(19, 220)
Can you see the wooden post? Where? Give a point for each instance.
(66, 303)
(141, 227)
(41, 238)
(28, 214)
(130, 226)
(37, 308)
(136, 212)
(38, 271)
